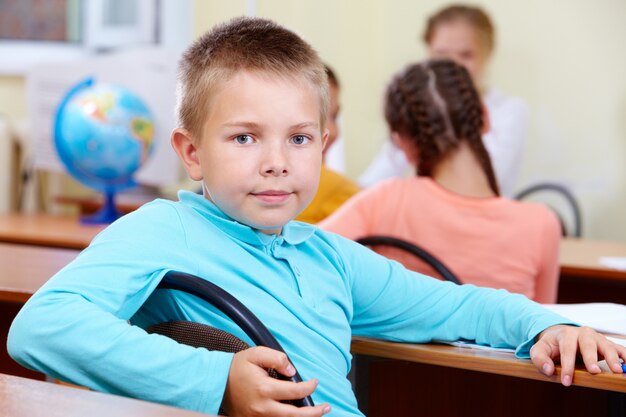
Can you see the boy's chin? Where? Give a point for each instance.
(271, 228)
(273, 224)
(270, 231)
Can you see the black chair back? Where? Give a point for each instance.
(564, 193)
(412, 248)
(194, 333)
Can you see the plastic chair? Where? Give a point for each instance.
(566, 194)
(421, 253)
(201, 335)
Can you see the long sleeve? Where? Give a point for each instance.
(75, 327)
(394, 303)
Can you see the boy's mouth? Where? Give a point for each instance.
(273, 196)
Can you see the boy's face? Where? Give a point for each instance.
(260, 152)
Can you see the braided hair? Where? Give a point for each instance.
(435, 104)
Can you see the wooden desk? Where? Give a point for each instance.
(580, 257)
(495, 362)
(26, 268)
(450, 381)
(124, 202)
(23, 270)
(46, 230)
(584, 279)
(22, 397)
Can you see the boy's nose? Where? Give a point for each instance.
(275, 161)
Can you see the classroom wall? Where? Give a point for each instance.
(12, 97)
(564, 58)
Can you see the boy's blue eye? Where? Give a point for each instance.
(300, 139)
(243, 139)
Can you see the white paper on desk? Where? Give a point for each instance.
(615, 262)
(618, 341)
(604, 317)
(472, 345)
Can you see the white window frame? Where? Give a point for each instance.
(175, 30)
(97, 35)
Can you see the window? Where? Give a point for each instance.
(31, 20)
(33, 31)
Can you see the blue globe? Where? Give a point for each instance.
(103, 134)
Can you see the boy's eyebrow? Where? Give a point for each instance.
(304, 125)
(249, 125)
(254, 125)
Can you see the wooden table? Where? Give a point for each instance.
(124, 202)
(445, 380)
(22, 397)
(47, 230)
(584, 279)
(580, 257)
(24, 269)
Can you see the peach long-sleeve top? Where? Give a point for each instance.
(491, 242)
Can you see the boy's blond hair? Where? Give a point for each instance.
(243, 44)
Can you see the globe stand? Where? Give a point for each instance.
(108, 213)
(103, 134)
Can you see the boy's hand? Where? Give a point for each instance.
(565, 342)
(250, 391)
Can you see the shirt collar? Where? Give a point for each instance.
(293, 232)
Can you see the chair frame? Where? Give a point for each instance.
(565, 193)
(233, 309)
(412, 248)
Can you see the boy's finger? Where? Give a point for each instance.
(280, 409)
(287, 390)
(622, 352)
(568, 345)
(611, 353)
(540, 355)
(278, 390)
(589, 352)
(271, 359)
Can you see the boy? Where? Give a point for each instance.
(252, 102)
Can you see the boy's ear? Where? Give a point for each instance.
(325, 136)
(187, 151)
(486, 122)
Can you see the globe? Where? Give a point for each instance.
(103, 134)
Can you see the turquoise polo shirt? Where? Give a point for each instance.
(312, 289)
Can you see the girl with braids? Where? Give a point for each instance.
(452, 207)
(467, 35)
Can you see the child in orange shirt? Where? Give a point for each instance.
(452, 208)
